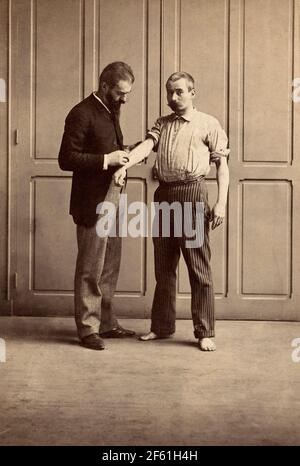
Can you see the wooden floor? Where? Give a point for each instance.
(54, 392)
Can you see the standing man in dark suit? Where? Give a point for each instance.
(92, 147)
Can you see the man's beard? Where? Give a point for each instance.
(113, 105)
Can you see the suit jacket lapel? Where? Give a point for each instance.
(115, 119)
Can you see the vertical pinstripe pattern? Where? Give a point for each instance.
(166, 255)
(168, 139)
(187, 144)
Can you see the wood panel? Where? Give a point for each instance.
(170, 46)
(57, 70)
(266, 237)
(153, 78)
(5, 304)
(268, 43)
(204, 50)
(123, 37)
(53, 235)
(263, 266)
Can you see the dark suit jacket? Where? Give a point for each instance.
(89, 134)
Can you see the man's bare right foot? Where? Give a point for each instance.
(206, 344)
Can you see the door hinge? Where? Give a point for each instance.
(16, 137)
(15, 280)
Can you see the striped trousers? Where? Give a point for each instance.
(166, 255)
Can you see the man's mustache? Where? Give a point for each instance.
(118, 104)
(173, 105)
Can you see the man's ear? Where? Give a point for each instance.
(104, 87)
(193, 92)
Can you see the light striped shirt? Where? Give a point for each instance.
(186, 145)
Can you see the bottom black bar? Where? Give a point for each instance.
(102, 455)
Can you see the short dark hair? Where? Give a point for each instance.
(182, 74)
(115, 72)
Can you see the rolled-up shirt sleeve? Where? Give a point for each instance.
(154, 133)
(217, 141)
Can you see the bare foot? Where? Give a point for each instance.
(149, 336)
(206, 344)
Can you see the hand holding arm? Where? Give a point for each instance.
(116, 158)
(136, 155)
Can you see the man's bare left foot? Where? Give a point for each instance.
(206, 344)
(149, 336)
(153, 336)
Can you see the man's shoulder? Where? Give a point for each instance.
(83, 107)
(197, 115)
(205, 117)
(166, 118)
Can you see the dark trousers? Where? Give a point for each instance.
(167, 253)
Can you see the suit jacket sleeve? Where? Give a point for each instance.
(72, 154)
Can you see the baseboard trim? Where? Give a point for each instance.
(6, 308)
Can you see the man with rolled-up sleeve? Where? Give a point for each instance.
(92, 148)
(186, 141)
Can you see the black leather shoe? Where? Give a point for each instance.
(93, 341)
(118, 332)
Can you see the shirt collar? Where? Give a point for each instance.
(98, 98)
(187, 117)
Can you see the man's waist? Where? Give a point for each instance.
(178, 182)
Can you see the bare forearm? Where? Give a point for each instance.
(140, 152)
(223, 183)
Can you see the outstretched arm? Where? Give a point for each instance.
(136, 155)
